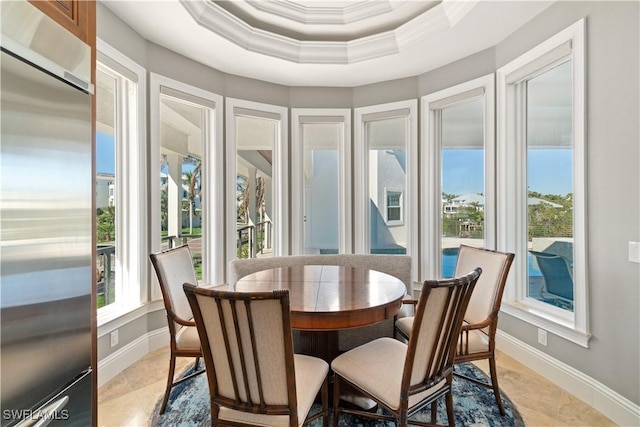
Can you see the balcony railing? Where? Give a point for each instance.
(106, 278)
(175, 241)
(253, 239)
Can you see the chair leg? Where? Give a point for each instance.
(434, 412)
(403, 420)
(336, 399)
(197, 364)
(451, 418)
(215, 412)
(494, 383)
(325, 403)
(172, 368)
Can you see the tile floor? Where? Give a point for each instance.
(129, 398)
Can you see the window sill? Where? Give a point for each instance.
(111, 318)
(549, 320)
(394, 223)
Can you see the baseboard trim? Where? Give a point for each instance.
(610, 403)
(119, 360)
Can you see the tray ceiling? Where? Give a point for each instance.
(323, 42)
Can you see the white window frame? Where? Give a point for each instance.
(280, 173)
(431, 166)
(392, 223)
(299, 116)
(361, 172)
(212, 173)
(130, 192)
(569, 44)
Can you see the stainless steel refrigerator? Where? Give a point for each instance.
(45, 222)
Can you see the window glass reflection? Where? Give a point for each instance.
(550, 187)
(463, 192)
(321, 191)
(106, 101)
(387, 141)
(254, 182)
(181, 186)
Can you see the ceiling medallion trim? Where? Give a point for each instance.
(216, 19)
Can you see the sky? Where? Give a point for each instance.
(106, 154)
(462, 169)
(550, 171)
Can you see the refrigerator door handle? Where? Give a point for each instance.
(44, 416)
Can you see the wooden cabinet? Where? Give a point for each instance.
(77, 16)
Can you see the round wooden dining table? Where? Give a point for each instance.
(325, 299)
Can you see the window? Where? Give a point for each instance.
(120, 194)
(550, 187)
(458, 188)
(542, 151)
(186, 174)
(181, 166)
(257, 158)
(321, 184)
(385, 158)
(394, 207)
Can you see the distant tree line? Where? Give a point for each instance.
(544, 220)
(551, 221)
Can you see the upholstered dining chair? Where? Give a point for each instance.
(404, 378)
(254, 376)
(173, 268)
(477, 340)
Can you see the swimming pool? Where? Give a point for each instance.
(450, 255)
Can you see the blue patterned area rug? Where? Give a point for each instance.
(473, 405)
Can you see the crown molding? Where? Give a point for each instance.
(438, 19)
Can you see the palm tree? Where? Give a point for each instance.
(242, 199)
(242, 193)
(193, 188)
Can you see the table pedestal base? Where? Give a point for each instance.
(322, 344)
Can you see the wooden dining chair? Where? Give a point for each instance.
(254, 376)
(173, 268)
(404, 378)
(478, 336)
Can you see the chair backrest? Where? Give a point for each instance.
(398, 266)
(247, 347)
(487, 297)
(556, 272)
(174, 267)
(436, 329)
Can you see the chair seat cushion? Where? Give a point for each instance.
(310, 374)
(187, 338)
(405, 324)
(376, 368)
(478, 342)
